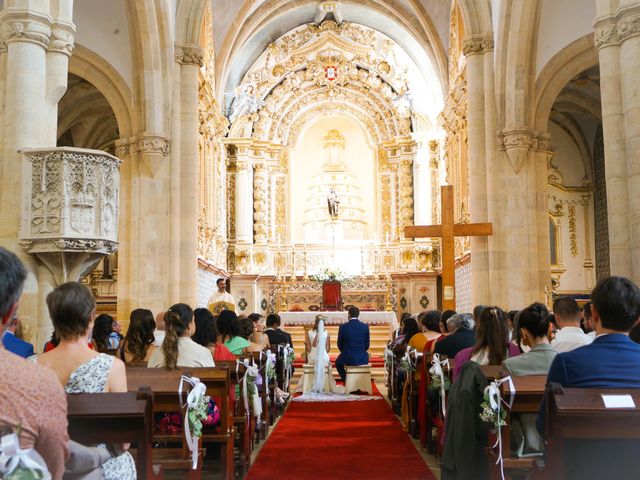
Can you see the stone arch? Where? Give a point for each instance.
(476, 16)
(152, 52)
(250, 21)
(563, 66)
(96, 70)
(189, 21)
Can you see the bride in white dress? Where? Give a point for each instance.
(318, 343)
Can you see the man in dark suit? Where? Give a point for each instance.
(14, 344)
(353, 343)
(276, 336)
(611, 361)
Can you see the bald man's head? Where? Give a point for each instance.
(160, 321)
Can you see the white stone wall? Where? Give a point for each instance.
(206, 286)
(463, 289)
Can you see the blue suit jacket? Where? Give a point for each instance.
(611, 361)
(14, 345)
(353, 342)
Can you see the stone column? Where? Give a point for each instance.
(260, 204)
(475, 49)
(617, 39)
(126, 225)
(150, 238)
(34, 50)
(190, 59)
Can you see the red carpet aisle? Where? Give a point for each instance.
(345, 440)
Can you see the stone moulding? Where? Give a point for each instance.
(69, 208)
(615, 29)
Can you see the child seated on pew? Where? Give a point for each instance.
(79, 368)
(535, 330)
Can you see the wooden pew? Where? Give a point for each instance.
(164, 386)
(580, 414)
(430, 410)
(115, 418)
(242, 419)
(529, 394)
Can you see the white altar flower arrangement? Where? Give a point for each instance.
(332, 275)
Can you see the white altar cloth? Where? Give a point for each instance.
(333, 318)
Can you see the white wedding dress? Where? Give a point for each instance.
(319, 357)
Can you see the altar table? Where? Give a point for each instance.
(336, 318)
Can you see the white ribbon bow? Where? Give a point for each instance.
(495, 402)
(270, 365)
(436, 371)
(252, 370)
(12, 456)
(390, 357)
(287, 350)
(198, 391)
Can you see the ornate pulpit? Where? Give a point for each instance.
(331, 296)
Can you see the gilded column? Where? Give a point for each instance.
(244, 195)
(260, 204)
(617, 39)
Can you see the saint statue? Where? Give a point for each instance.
(332, 204)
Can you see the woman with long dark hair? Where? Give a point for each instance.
(207, 335)
(137, 346)
(492, 345)
(229, 333)
(101, 333)
(178, 350)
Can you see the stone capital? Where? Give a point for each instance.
(62, 35)
(517, 142)
(616, 29)
(152, 144)
(17, 26)
(477, 45)
(188, 55)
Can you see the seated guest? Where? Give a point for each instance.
(446, 315)
(477, 311)
(534, 326)
(102, 333)
(276, 335)
(246, 331)
(430, 323)
(51, 343)
(207, 335)
(411, 330)
(229, 333)
(258, 336)
(79, 368)
(612, 360)
(158, 334)
(492, 341)
(117, 331)
(30, 396)
(178, 350)
(398, 336)
(13, 343)
(137, 346)
(569, 335)
(587, 322)
(461, 335)
(511, 322)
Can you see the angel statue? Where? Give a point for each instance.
(332, 203)
(247, 101)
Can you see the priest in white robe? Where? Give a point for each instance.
(221, 299)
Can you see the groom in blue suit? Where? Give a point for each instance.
(353, 343)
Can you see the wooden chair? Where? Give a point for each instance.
(115, 418)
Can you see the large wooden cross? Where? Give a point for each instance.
(448, 231)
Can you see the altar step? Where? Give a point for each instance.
(379, 336)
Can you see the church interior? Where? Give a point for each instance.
(396, 157)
